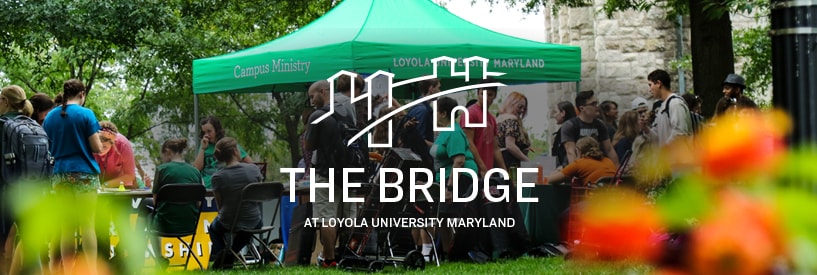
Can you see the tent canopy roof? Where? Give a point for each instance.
(400, 37)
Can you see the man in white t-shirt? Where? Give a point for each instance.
(672, 118)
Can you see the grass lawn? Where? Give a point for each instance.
(524, 265)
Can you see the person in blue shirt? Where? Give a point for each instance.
(73, 131)
(422, 112)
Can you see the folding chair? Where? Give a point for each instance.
(259, 193)
(182, 194)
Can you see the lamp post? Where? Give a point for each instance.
(794, 64)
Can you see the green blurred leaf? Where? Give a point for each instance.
(685, 200)
(796, 210)
(799, 168)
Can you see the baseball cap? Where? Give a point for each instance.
(639, 102)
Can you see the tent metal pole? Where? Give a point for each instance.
(196, 121)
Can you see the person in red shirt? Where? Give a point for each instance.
(116, 162)
(482, 140)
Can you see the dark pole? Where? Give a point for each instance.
(794, 72)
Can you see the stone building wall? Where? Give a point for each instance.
(619, 52)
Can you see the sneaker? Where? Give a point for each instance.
(329, 264)
(319, 259)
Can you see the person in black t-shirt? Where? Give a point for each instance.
(586, 124)
(321, 139)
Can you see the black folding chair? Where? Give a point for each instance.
(182, 194)
(258, 193)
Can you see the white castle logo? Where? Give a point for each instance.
(390, 77)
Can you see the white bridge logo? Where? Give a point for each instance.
(390, 77)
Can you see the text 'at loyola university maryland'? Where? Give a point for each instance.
(492, 193)
(411, 222)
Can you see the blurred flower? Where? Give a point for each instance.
(742, 146)
(616, 225)
(741, 236)
(80, 266)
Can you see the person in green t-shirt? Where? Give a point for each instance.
(212, 132)
(173, 218)
(450, 150)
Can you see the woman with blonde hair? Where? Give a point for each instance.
(512, 137)
(589, 168)
(13, 102)
(628, 130)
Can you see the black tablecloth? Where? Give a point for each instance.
(542, 218)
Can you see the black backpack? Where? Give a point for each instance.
(355, 155)
(25, 150)
(696, 120)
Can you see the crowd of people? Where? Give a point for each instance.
(592, 142)
(84, 156)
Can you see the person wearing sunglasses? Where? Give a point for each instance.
(587, 124)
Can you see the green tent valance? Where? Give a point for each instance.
(401, 37)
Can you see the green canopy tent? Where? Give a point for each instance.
(400, 37)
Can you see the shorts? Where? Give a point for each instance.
(76, 182)
(322, 208)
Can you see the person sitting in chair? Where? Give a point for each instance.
(592, 165)
(172, 218)
(227, 186)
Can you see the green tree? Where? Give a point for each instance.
(139, 54)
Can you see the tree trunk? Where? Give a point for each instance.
(712, 54)
(294, 139)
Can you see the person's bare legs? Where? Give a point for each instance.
(87, 225)
(329, 237)
(88, 231)
(67, 249)
(6, 257)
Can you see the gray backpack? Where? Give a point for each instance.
(25, 151)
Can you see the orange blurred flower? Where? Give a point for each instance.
(742, 146)
(616, 225)
(79, 265)
(742, 236)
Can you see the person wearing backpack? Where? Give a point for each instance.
(13, 104)
(74, 134)
(672, 118)
(323, 139)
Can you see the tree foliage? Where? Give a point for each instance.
(137, 57)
